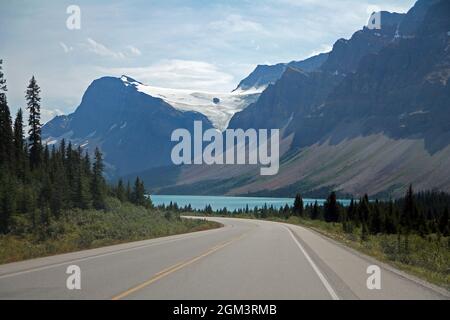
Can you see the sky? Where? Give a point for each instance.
(191, 44)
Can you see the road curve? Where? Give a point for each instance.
(246, 259)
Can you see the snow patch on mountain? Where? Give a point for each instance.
(218, 107)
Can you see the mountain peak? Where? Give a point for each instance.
(128, 80)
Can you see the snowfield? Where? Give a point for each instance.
(217, 107)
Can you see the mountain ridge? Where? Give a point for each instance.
(376, 94)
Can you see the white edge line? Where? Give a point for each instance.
(314, 266)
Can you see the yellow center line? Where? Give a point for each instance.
(176, 267)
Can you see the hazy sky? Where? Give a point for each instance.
(199, 44)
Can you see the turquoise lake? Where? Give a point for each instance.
(231, 203)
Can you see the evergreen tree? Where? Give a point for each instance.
(315, 211)
(6, 134)
(7, 203)
(331, 208)
(128, 192)
(19, 145)
(364, 211)
(390, 221)
(298, 205)
(351, 211)
(444, 223)
(364, 231)
(139, 193)
(375, 222)
(82, 195)
(98, 183)
(34, 108)
(120, 191)
(409, 211)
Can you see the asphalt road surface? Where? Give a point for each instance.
(246, 259)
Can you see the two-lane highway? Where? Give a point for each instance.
(246, 259)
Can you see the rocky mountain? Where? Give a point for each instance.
(132, 128)
(402, 91)
(263, 75)
(347, 54)
(373, 118)
(298, 91)
(132, 122)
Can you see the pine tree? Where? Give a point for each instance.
(98, 183)
(444, 223)
(7, 203)
(390, 221)
(331, 208)
(139, 193)
(34, 108)
(315, 211)
(409, 211)
(364, 211)
(375, 222)
(364, 231)
(6, 134)
(298, 205)
(19, 145)
(82, 195)
(120, 191)
(351, 212)
(128, 193)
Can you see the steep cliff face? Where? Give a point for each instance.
(403, 91)
(296, 93)
(347, 54)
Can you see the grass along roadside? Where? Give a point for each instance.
(87, 229)
(427, 258)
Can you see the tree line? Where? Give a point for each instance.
(423, 213)
(39, 182)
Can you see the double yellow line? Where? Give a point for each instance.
(176, 267)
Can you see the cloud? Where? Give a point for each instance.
(185, 74)
(65, 47)
(49, 114)
(236, 23)
(134, 51)
(102, 50)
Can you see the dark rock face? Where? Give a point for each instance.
(264, 75)
(301, 90)
(296, 93)
(375, 82)
(133, 129)
(403, 91)
(347, 54)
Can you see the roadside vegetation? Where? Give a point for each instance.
(78, 229)
(54, 199)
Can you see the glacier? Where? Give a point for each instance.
(218, 107)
